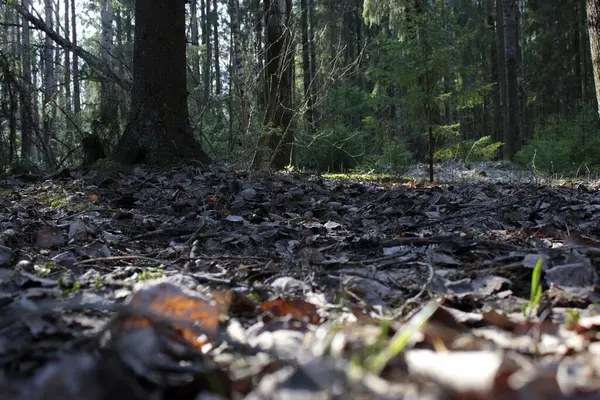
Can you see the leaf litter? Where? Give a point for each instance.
(216, 284)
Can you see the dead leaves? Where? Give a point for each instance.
(276, 284)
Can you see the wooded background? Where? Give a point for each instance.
(320, 84)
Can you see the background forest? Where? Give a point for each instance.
(369, 85)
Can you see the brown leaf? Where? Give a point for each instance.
(298, 309)
(186, 311)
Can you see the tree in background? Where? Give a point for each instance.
(158, 131)
(371, 85)
(511, 134)
(279, 112)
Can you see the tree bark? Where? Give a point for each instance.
(158, 131)
(215, 21)
(512, 136)
(307, 81)
(76, 87)
(313, 58)
(195, 59)
(206, 44)
(109, 112)
(593, 19)
(49, 84)
(239, 83)
(67, 71)
(26, 117)
(279, 74)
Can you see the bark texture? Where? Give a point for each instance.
(593, 19)
(158, 131)
(279, 85)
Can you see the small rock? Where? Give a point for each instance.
(334, 205)
(77, 230)
(48, 237)
(66, 259)
(6, 255)
(248, 193)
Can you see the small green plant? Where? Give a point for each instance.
(396, 158)
(572, 318)
(98, 283)
(68, 288)
(536, 289)
(151, 273)
(401, 339)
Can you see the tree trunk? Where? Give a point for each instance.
(279, 73)
(511, 137)
(313, 58)
(158, 131)
(206, 44)
(26, 117)
(580, 59)
(67, 27)
(195, 59)
(109, 112)
(307, 81)
(49, 86)
(494, 76)
(215, 21)
(238, 65)
(593, 18)
(76, 87)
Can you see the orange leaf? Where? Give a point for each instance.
(299, 309)
(185, 310)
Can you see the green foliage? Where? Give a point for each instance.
(340, 143)
(333, 148)
(394, 159)
(151, 273)
(401, 339)
(482, 149)
(536, 289)
(563, 145)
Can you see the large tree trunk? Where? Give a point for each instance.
(593, 18)
(512, 136)
(279, 84)
(158, 131)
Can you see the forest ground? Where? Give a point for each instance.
(189, 284)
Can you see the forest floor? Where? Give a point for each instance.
(185, 284)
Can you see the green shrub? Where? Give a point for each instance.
(333, 148)
(564, 145)
(482, 149)
(395, 156)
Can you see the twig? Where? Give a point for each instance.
(119, 258)
(429, 264)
